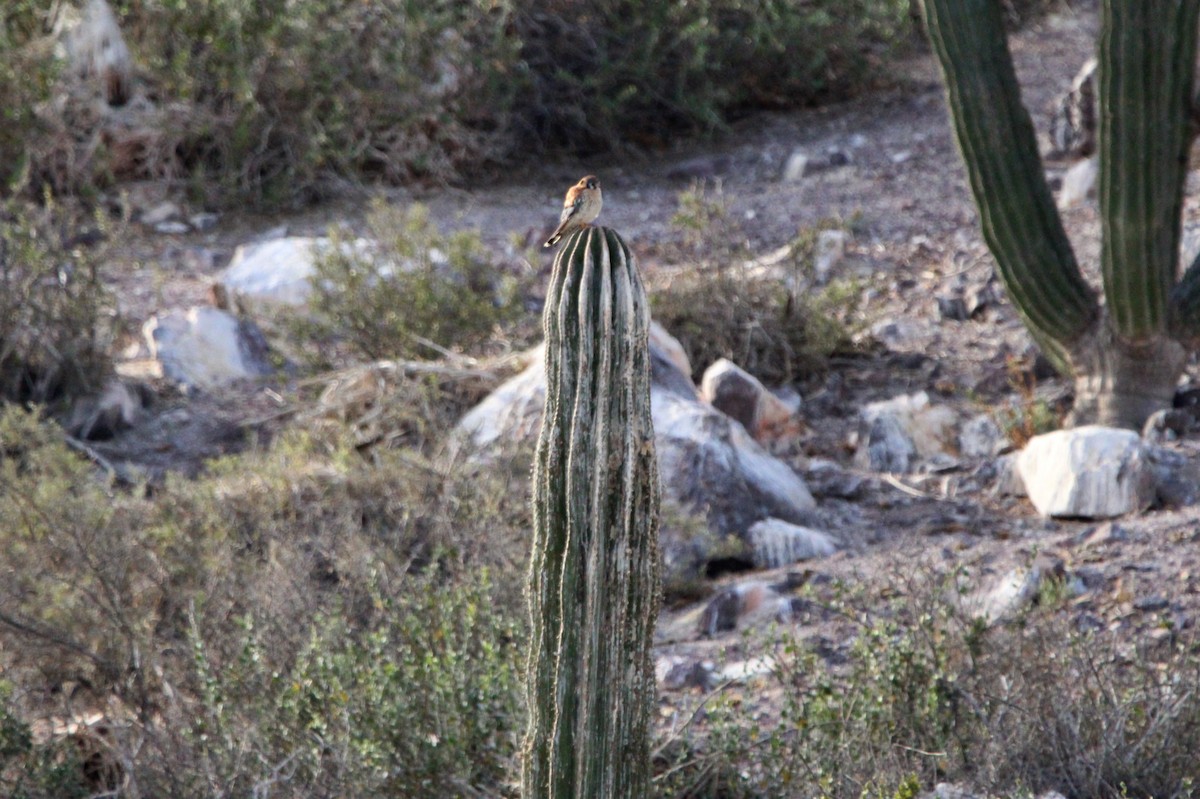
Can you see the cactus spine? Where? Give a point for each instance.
(593, 582)
(1126, 356)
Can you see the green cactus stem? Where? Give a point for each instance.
(594, 571)
(1126, 356)
(996, 137)
(1147, 53)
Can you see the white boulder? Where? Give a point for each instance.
(1088, 472)
(205, 347)
(279, 271)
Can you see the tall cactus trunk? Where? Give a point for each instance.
(593, 582)
(1126, 357)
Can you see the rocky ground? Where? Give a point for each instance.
(927, 295)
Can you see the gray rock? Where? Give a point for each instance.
(118, 407)
(952, 307)
(1088, 472)
(897, 434)
(1176, 477)
(885, 446)
(1079, 183)
(980, 437)
(204, 347)
(172, 228)
(830, 250)
(203, 221)
(796, 167)
(980, 298)
(777, 543)
(739, 395)
(279, 271)
(165, 211)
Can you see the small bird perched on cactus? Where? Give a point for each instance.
(580, 208)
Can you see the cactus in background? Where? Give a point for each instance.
(1125, 356)
(593, 581)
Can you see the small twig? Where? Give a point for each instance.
(895, 482)
(101, 461)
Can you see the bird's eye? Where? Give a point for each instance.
(591, 184)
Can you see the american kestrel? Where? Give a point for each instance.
(580, 208)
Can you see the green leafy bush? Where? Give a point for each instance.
(56, 315)
(305, 618)
(413, 293)
(423, 702)
(27, 73)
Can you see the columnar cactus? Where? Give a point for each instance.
(1127, 355)
(593, 581)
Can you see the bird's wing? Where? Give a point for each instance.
(570, 209)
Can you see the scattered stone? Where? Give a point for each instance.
(830, 250)
(739, 395)
(664, 344)
(165, 211)
(900, 157)
(981, 437)
(743, 605)
(777, 543)
(204, 221)
(675, 673)
(172, 228)
(885, 447)
(952, 307)
(839, 157)
(895, 434)
(796, 167)
(1014, 591)
(1089, 472)
(946, 790)
(205, 347)
(1079, 183)
(1103, 534)
(1176, 477)
(827, 479)
(980, 298)
(1189, 244)
(1151, 604)
(895, 332)
(1167, 425)
(119, 407)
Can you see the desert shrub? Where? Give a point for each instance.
(27, 73)
(286, 95)
(33, 769)
(616, 73)
(56, 316)
(278, 101)
(929, 693)
(718, 306)
(412, 293)
(423, 702)
(299, 617)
